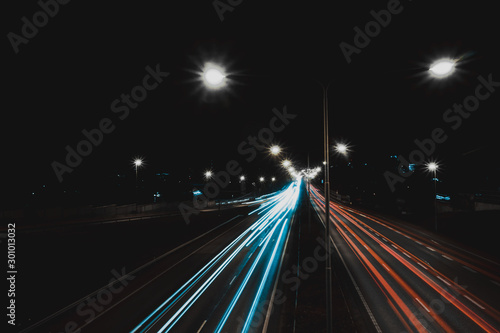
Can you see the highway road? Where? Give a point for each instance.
(410, 280)
(221, 281)
(389, 276)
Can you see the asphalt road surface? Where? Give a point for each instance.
(410, 280)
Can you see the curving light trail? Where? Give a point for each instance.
(261, 244)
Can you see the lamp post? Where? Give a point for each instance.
(328, 267)
(137, 164)
(432, 167)
(439, 69)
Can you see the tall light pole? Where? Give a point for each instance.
(432, 167)
(439, 69)
(328, 267)
(137, 163)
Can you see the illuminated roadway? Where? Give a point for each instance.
(218, 287)
(407, 280)
(394, 278)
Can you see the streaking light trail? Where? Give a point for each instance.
(412, 287)
(261, 246)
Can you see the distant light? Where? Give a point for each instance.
(286, 163)
(138, 162)
(275, 150)
(273, 179)
(242, 178)
(442, 68)
(208, 174)
(441, 197)
(261, 179)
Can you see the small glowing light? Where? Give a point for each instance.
(261, 179)
(242, 178)
(341, 148)
(442, 68)
(432, 166)
(275, 150)
(273, 179)
(208, 174)
(286, 163)
(138, 162)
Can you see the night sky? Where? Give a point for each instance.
(66, 77)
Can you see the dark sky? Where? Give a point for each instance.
(66, 77)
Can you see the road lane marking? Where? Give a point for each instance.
(446, 257)
(232, 280)
(201, 327)
(443, 280)
(420, 264)
(430, 248)
(495, 282)
(358, 290)
(406, 254)
(469, 269)
(422, 305)
(470, 299)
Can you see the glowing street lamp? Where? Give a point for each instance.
(213, 76)
(273, 179)
(341, 148)
(275, 150)
(433, 167)
(286, 163)
(137, 163)
(442, 68)
(242, 178)
(261, 179)
(208, 174)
